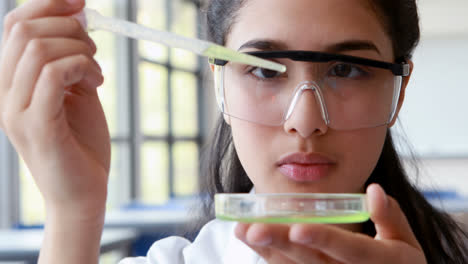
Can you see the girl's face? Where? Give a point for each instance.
(350, 156)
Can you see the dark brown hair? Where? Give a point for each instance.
(441, 238)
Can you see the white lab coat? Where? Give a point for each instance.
(215, 244)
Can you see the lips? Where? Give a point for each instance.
(305, 167)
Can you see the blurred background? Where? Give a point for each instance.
(160, 111)
(434, 122)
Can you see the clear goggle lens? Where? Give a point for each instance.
(348, 96)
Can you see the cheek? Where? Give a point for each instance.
(253, 144)
(360, 156)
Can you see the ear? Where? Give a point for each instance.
(402, 93)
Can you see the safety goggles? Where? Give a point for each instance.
(349, 92)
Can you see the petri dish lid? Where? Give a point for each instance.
(292, 208)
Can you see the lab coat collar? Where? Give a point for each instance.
(238, 252)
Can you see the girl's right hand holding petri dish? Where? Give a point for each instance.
(50, 108)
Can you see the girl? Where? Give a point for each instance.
(321, 127)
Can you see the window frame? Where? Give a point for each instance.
(9, 166)
(139, 137)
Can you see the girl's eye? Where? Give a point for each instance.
(344, 70)
(264, 73)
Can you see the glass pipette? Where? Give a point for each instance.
(96, 21)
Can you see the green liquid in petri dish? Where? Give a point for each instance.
(357, 217)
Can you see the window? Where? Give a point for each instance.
(169, 85)
(151, 97)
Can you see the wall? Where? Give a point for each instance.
(435, 115)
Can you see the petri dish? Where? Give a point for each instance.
(292, 208)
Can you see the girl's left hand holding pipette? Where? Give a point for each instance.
(314, 243)
(50, 110)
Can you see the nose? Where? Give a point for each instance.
(307, 114)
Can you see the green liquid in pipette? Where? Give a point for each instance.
(221, 52)
(133, 30)
(357, 217)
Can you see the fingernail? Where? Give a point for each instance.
(81, 17)
(385, 198)
(240, 231)
(300, 239)
(265, 241)
(379, 188)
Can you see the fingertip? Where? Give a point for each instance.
(94, 79)
(81, 18)
(377, 201)
(93, 46)
(240, 231)
(259, 235)
(40, 8)
(65, 7)
(301, 234)
(390, 221)
(375, 198)
(374, 187)
(376, 192)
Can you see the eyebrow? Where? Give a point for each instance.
(348, 45)
(264, 44)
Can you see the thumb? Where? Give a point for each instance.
(390, 221)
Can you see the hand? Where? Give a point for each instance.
(49, 106)
(314, 243)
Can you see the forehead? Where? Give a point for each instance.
(309, 24)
